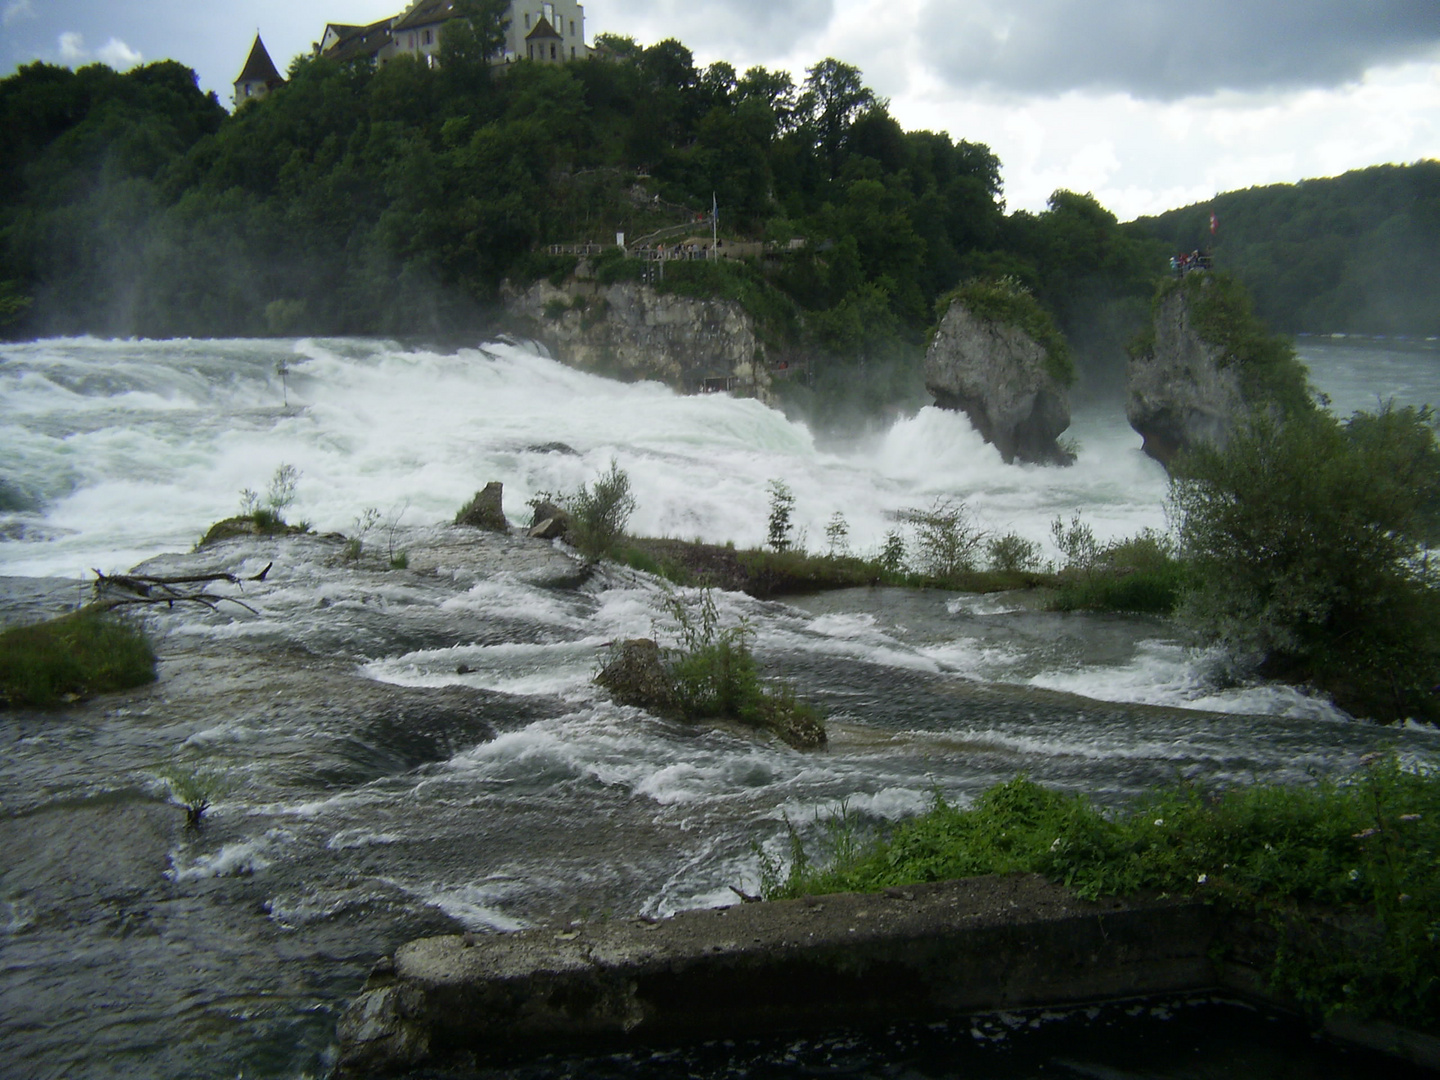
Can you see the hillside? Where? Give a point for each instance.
(1348, 254)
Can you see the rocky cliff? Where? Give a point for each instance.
(1001, 377)
(1180, 390)
(629, 330)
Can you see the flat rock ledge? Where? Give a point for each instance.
(812, 964)
(815, 964)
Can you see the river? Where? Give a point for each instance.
(415, 750)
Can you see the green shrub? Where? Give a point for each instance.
(782, 509)
(599, 513)
(1363, 849)
(1013, 552)
(194, 788)
(714, 675)
(1308, 541)
(71, 657)
(1141, 573)
(947, 539)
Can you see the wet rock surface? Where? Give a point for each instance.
(630, 329)
(486, 510)
(1180, 394)
(996, 375)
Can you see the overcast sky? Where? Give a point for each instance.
(1148, 104)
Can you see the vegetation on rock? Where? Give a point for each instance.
(72, 657)
(709, 674)
(1008, 302)
(1346, 871)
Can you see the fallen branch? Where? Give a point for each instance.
(147, 589)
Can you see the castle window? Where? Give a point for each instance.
(527, 20)
(427, 37)
(572, 27)
(552, 50)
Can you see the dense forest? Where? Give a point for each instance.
(396, 200)
(1350, 254)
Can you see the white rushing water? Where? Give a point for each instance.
(116, 450)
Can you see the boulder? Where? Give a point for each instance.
(631, 330)
(485, 510)
(997, 375)
(1180, 392)
(636, 675)
(548, 522)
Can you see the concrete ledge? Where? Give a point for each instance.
(927, 950)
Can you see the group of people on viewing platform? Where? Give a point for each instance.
(1182, 264)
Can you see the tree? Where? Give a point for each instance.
(475, 35)
(833, 98)
(1309, 542)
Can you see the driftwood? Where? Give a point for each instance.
(144, 589)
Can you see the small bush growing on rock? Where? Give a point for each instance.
(194, 788)
(710, 674)
(267, 515)
(599, 513)
(71, 657)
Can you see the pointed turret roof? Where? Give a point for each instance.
(259, 68)
(543, 29)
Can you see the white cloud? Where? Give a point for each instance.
(114, 52)
(118, 55)
(72, 47)
(16, 10)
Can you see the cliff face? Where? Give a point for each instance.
(1179, 394)
(996, 374)
(631, 331)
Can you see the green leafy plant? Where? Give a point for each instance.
(1308, 544)
(713, 674)
(947, 539)
(194, 787)
(1013, 552)
(599, 513)
(779, 528)
(71, 657)
(1345, 869)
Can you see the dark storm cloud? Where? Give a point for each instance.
(1167, 49)
(761, 29)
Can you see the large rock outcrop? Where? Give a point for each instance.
(998, 375)
(630, 330)
(1180, 393)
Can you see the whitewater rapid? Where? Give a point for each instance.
(118, 450)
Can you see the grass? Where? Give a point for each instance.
(1346, 872)
(50, 663)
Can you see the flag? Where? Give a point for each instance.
(1214, 223)
(714, 208)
